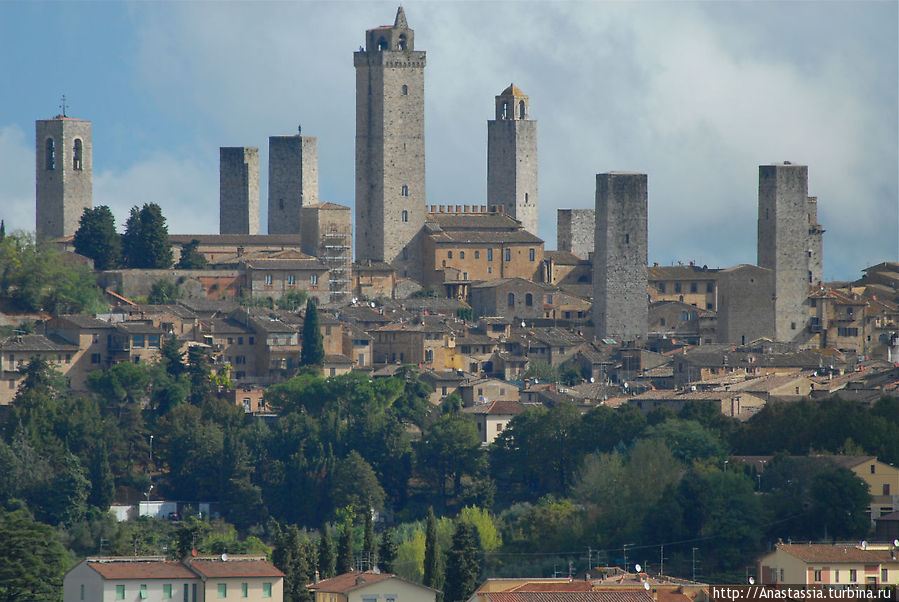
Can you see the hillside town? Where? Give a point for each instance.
(472, 416)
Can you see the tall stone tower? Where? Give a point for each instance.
(620, 272)
(390, 147)
(239, 190)
(292, 181)
(63, 175)
(512, 158)
(789, 243)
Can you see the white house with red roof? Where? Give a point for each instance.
(369, 586)
(239, 577)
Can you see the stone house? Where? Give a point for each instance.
(684, 323)
(690, 284)
(491, 418)
(561, 267)
(839, 566)
(430, 346)
(277, 274)
(837, 320)
(515, 299)
(735, 404)
(366, 586)
(484, 390)
(154, 578)
(17, 351)
(373, 280)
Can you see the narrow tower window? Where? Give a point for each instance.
(382, 44)
(51, 154)
(404, 191)
(405, 216)
(521, 109)
(511, 299)
(529, 299)
(77, 153)
(405, 90)
(505, 109)
(401, 44)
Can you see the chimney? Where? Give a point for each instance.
(317, 577)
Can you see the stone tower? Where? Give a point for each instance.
(328, 234)
(512, 158)
(575, 231)
(239, 190)
(789, 244)
(63, 175)
(292, 181)
(620, 272)
(390, 147)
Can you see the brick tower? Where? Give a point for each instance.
(63, 175)
(789, 244)
(512, 158)
(239, 190)
(620, 272)
(390, 147)
(292, 181)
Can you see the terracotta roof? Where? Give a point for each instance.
(348, 582)
(836, 554)
(235, 568)
(565, 586)
(500, 407)
(237, 239)
(149, 569)
(36, 342)
(563, 257)
(568, 596)
(485, 236)
(85, 321)
(513, 90)
(325, 205)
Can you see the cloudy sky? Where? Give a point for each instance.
(696, 94)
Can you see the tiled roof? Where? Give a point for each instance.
(513, 90)
(149, 569)
(681, 272)
(235, 568)
(138, 327)
(326, 205)
(334, 359)
(601, 596)
(563, 257)
(836, 553)
(472, 221)
(348, 582)
(237, 239)
(500, 407)
(486, 236)
(85, 321)
(35, 342)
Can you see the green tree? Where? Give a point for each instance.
(488, 535)
(689, 440)
(102, 489)
(327, 564)
(163, 292)
(313, 351)
(96, 237)
(32, 561)
(463, 563)
(839, 502)
(387, 551)
(432, 576)
(200, 373)
(290, 554)
(345, 549)
(449, 451)
(145, 243)
(172, 357)
(191, 258)
(292, 301)
(355, 484)
(369, 543)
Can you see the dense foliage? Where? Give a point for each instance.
(304, 487)
(96, 237)
(145, 243)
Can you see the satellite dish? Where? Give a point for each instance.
(592, 380)
(896, 542)
(638, 568)
(646, 586)
(752, 581)
(864, 545)
(522, 324)
(224, 558)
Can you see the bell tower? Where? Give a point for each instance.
(512, 158)
(63, 174)
(390, 147)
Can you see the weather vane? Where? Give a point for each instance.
(63, 105)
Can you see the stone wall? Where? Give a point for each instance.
(620, 302)
(193, 283)
(575, 231)
(745, 304)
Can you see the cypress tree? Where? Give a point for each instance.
(463, 563)
(369, 544)
(345, 549)
(96, 237)
(313, 351)
(432, 561)
(326, 565)
(387, 551)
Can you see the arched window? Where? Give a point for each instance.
(505, 109)
(405, 216)
(511, 300)
(521, 109)
(77, 153)
(525, 197)
(405, 90)
(461, 254)
(529, 299)
(401, 43)
(404, 191)
(382, 44)
(449, 254)
(51, 154)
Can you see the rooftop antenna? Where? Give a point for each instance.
(62, 105)
(299, 129)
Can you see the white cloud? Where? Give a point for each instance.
(16, 179)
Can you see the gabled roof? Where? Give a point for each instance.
(141, 569)
(500, 407)
(835, 554)
(568, 596)
(513, 90)
(36, 342)
(235, 567)
(342, 584)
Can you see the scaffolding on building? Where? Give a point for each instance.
(335, 251)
